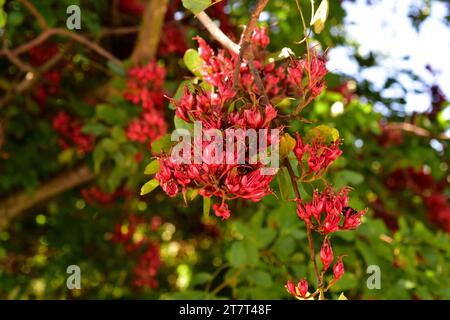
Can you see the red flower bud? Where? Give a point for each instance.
(291, 288)
(326, 254)
(303, 287)
(338, 269)
(221, 210)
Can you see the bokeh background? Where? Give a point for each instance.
(73, 151)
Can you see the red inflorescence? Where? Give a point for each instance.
(431, 191)
(145, 88)
(95, 195)
(51, 80)
(173, 41)
(319, 155)
(328, 212)
(149, 259)
(218, 70)
(70, 133)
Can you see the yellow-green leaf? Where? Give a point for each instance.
(152, 167)
(193, 61)
(287, 144)
(206, 206)
(149, 186)
(342, 297)
(161, 144)
(196, 6)
(328, 134)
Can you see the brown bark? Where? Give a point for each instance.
(18, 203)
(150, 31)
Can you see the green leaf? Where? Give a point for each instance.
(119, 135)
(96, 129)
(284, 184)
(181, 124)
(284, 247)
(251, 252)
(111, 115)
(237, 254)
(193, 61)
(265, 237)
(152, 167)
(206, 206)
(348, 177)
(161, 144)
(2, 14)
(196, 6)
(98, 156)
(201, 278)
(149, 186)
(109, 145)
(260, 278)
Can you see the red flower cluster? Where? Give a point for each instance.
(51, 80)
(147, 268)
(279, 82)
(330, 212)
(173, 41)
(70, 133)
(225, 181)
(145, 88)
(326, 213)
(134, 238)
(430, 190)
(95, 195)
(318, 155)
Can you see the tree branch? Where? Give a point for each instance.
(15, 204)
(217, 34)
(246, 51)
(418, 131)
(150, 31)
(65, 33)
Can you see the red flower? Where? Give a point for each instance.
(303, 287)
(69, 131)
(301, 290)
(291, 288)
(221, 210)
(338, 269)
(352, 218)
(326, 254)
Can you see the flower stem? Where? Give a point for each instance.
(308, 229)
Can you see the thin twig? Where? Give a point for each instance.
(40, 19)
(246, 51)
(65, 33)
(16, 60)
